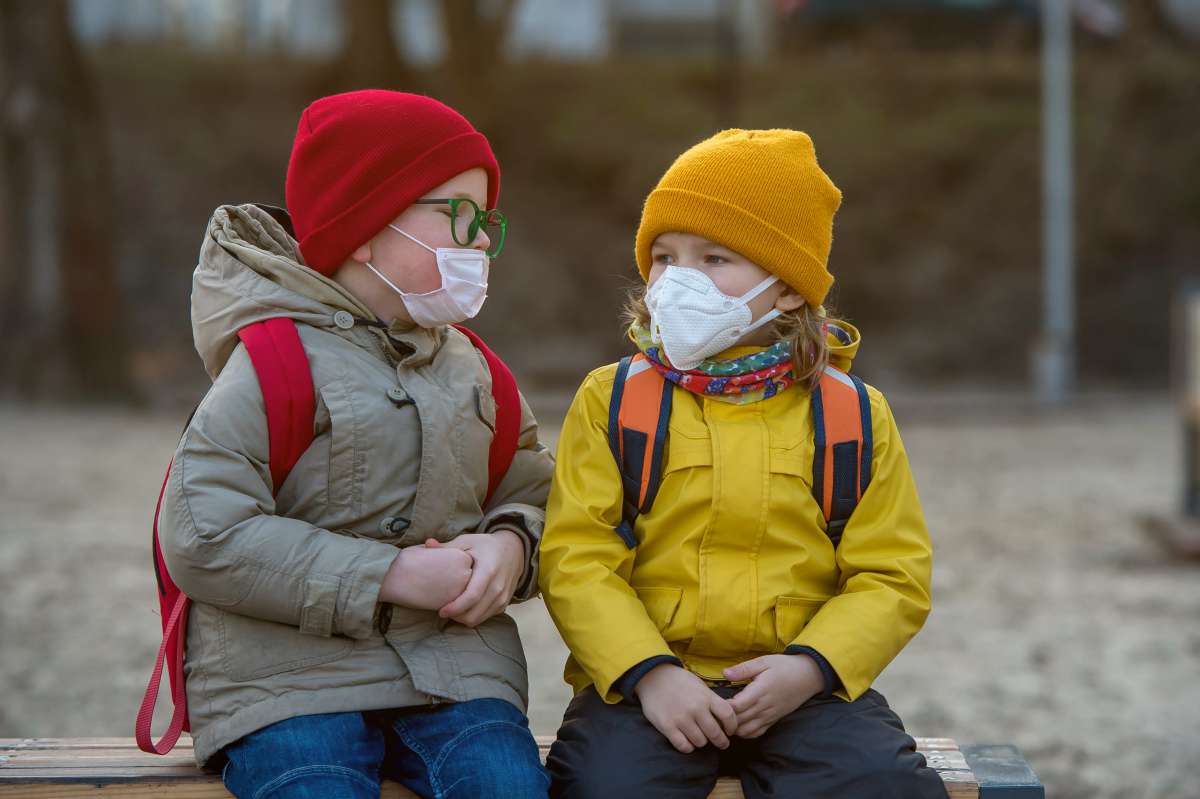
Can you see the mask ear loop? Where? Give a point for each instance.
(771, 315)
(759, 289)
(413, 238)
(380, 275)
(392, 285)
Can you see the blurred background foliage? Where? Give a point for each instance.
(117, 148)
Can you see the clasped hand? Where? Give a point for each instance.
(469, 579)
(685, 710)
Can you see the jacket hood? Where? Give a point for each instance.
(251, 269)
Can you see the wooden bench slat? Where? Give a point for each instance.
(175, 790)
(114, 768)
(185, 743)
(91, 756)
(43, 772)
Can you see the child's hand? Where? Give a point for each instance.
(499, 560)
(684, 709)
(426, 578)
(778, 685)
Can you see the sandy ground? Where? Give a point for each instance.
(1057, 625)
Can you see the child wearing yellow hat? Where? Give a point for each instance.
(734, 547)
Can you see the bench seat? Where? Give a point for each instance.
(71, 768)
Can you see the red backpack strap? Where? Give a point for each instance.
(508, 413)
(841, 412)
(285, 379)
(638, 414)
(173, 604)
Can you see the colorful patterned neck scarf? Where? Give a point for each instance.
(740, 381)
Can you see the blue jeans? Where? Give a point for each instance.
(480, 749)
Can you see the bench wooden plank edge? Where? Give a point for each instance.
(65, 768)
(1003, 772)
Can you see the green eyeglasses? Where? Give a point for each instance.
(466, 220)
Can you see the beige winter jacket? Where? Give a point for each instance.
(285, 620)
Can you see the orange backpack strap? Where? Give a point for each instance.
(841, 412)
(638, 413)
(638, 416)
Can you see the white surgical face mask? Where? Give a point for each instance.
(464, 274)
(694, 319)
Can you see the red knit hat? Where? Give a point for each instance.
(361, 158)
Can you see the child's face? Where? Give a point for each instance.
(732, 273)
(407, 264)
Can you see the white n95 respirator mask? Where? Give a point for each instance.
(693, 319)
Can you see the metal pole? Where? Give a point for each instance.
(1054, 359)
(1191, 399)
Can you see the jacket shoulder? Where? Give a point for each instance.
(594, 395)
(602, 377)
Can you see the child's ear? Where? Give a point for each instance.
(790, 300)
(362, 254)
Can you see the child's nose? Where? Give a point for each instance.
(482, 242)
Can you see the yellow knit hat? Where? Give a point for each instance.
(757, 192)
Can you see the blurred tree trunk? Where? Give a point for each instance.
(475, 50)
(1142, 23)
(474, 39)
(62, 293)
(727, 83)
(369, 59)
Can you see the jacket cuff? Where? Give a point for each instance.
(832, 681)
(629, 680)
(358, 613)
(526, 521)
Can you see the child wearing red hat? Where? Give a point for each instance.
(348, 625)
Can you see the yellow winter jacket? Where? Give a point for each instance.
(733, 560)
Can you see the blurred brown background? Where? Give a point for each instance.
(1057, 626)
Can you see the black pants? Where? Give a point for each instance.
(827, 748)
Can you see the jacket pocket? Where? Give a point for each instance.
(790, 463)
(687, 455)
(347, 459)
(485, 407)
(792, 613)
(254, 648)
(661, 604)
(500, 635)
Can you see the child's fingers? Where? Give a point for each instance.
(747, 670)
(680, 742)
(673, 734)
(754, 731)
(470, 596)
(491, 604)
(749, 713)
(691, 730)
(746, 697)
(725, 714)
(712, 731)
(461, 546)
(433, 543)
